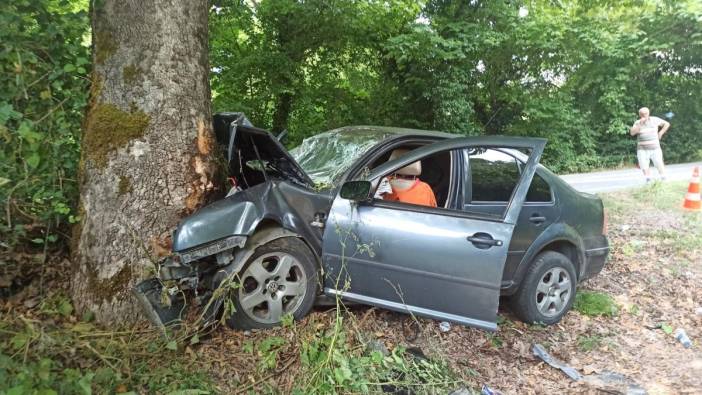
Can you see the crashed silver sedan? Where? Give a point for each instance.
(428, 223)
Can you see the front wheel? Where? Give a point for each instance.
(547, 291)
(279, 279)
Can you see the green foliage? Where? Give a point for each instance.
(573, 72)
(667, 329)
(594, 304)
(56, 305)
(305, 66)
(45, 376)
(332, 364)
(58, 355)
(268, 351)
(44, 64)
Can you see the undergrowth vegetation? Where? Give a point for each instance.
(54, 352)
(681, 232)
(46, 349)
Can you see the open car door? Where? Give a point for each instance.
(440, 263)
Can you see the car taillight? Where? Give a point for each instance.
(604, 222)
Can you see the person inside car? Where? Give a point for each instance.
(405, 185)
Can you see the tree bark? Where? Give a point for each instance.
(147, 146)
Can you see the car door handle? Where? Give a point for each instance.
(537, 219)
(483, 240)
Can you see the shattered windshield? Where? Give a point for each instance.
(326, 156)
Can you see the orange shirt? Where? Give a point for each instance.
(419, 193)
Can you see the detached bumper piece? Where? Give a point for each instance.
(150, 294)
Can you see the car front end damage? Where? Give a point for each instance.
(195, 275)
(208, 246)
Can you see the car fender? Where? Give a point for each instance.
(554, 233)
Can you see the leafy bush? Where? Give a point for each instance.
(44, 64)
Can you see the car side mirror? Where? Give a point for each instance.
(355, 190)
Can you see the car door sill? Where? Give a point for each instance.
(404, 308)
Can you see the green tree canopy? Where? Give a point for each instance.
(574, 72)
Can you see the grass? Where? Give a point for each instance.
(56, 353)
(658, 195)
(50, 350)
(589, 343)
(681, 231)
(594, 304)
(53, 352)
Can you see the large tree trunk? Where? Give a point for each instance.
(147, 145)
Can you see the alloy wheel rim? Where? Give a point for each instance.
(553, 292)
(272, 286)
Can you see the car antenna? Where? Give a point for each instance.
(282, 135)
(258, 156)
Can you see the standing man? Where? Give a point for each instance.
(648, 131)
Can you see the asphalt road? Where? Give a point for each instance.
(613, 180)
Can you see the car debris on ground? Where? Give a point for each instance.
(611, 382)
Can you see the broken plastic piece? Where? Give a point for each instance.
(150, 294)
(488, 391)
(681, 336)
(541, 352)
(610, 382)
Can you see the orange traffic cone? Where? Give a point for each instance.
(692, 199)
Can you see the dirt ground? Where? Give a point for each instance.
(653, 275)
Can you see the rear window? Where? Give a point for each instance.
(539, 190)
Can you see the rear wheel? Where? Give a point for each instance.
(547, 291)
(279, 279)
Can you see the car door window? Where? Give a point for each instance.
(428, 182)
(494, 175)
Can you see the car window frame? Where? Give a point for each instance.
(508, 215)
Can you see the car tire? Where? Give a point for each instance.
(280, 278)
(547, 290)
